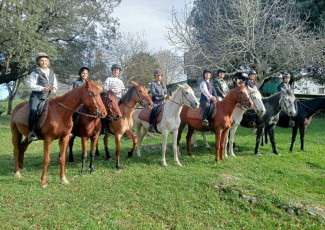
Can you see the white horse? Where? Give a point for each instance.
(183, 96)
(237, 116)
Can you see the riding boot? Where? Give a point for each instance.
(205, 122)
(31, 123)
(151, 128)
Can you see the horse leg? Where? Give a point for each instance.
(194, 140)
(293, 137)
(22, 149)
(93, 144)
(259, 136)
(217, 139)
(224, 136)
(84, 141)
(176, 160)
(232, 132)
(63, 151)
(207, 146)
(189, 135)
(107, 154)
(46, 159)
(118, 150)
(302, 130)
(141, 132)
(16, 141)
(134, 142)
(164, 147)
(272, 139)
(71, 142)
(179, 136)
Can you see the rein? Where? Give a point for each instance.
(310, 108)
(183, 104)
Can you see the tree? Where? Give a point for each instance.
(140, 68)
(268, 36)
(66, 30)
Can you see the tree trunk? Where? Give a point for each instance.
(12, 89)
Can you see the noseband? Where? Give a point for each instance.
(244, 105)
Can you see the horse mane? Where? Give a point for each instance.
(127, 96)
(180, 86)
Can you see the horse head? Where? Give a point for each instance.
(92, 100)
(242, 96)
(185, 95)
(142, 95)
(256, 97)
(287, 102)
(110, 101)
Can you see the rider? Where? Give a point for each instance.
(117, 86)
(158, 94)
(208, 94)
(114, 83)
(42, 82)
(252, 77)
(83, 76)
(220, 84)
(285, 84)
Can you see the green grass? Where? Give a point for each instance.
(246, 192)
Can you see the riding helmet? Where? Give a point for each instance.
(206, 71)
(285, 75)
(42, 54)
(116, 66)
(221, 70)
(82, 69)
(251, 72)
(158, 72)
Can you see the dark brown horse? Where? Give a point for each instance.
(57, 124)
(221, 119)
(137, 94)
(87, 126)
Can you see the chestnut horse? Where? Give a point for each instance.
(57, 125)
(183, 96)
(221, 119)
(86, 127)
(137, 94)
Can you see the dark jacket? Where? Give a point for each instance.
(158, 92)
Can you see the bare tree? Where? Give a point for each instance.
(268, 36)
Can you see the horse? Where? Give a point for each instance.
(306, 110)
(137, 94)
(86, 127)
(283, 100)
(237, 116)
(221, 119)
(56, 124)
(170, 119)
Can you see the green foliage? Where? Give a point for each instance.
(246, 192)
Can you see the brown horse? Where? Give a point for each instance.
(137, 94)
(220, 122)
(57, 124)
(87, 126)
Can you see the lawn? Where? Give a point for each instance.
(246, 192)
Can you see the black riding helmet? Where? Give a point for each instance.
(206, 71)
(116, 66)
(221, 70)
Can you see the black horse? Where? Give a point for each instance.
(306, 110)
(283, 100)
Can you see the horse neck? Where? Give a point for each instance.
(313, 106)
(272, 104)
(238, 114)
(126, 111)
(70, 101)
(174, 106)
(229, 103)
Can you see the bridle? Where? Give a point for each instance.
(244, 105)
(182, 100)
(143, 102)
(92, 95)
(284, 105)
(108, 101)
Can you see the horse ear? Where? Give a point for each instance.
(134, 83)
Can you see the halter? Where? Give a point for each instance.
(183, 95)
(283, 104)
(92, 95)
(142, 103)
(244, 105)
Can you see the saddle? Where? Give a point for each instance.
(22, 115)
(157, 111)
(197, 114)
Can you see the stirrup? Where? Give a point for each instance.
(205, 122)
(32, 137)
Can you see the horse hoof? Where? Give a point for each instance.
(164, 165)
(277, 154)
(179, 164)
(108, 158)
(130, 154)
(64, 180)
(44, 185)
(18, 175)
(92, 171)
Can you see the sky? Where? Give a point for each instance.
(148, 16)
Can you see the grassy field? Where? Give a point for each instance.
(246, 192)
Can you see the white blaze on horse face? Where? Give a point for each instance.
(189, 98)
(256, 97)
